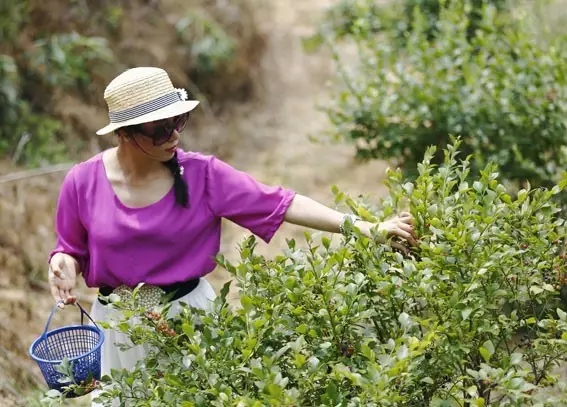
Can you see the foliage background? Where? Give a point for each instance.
(54, 55)
(489, 71)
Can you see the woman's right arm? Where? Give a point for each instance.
(69, 257)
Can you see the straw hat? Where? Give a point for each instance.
(141, 95)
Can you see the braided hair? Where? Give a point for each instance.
(180, 187)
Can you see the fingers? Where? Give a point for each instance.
(399, 246)
(401, 226)
(71, 300)
(406, 217)
(70, 297)
(55, 292)
(56, 271)
(60, 267)
(61, 286)
(406, 231)
(408, 228)
(61, 294)
(407, 235)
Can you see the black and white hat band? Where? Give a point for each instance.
(178, 95)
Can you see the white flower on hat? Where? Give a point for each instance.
(182, 93)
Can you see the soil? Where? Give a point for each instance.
(268, 137)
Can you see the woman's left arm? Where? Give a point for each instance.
(307, 212)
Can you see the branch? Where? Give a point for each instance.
(20, 175)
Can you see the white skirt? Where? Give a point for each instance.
(113, 358)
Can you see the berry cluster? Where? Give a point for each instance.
(165, 329)
(89, 386)
(153, 315)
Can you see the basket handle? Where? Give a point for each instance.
(56, 306)
(83, 313)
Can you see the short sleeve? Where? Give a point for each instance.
(237, 196)
(71, 234)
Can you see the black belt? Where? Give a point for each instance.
(172, 292)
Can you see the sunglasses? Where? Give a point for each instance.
(162, 133)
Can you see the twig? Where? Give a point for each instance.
(20, 175)
(20, 147)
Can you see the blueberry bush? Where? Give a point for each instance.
(471, 317)
(502, 91)
(347, 19)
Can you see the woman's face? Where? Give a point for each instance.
(159, 139)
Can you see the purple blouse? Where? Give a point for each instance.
(162, 243)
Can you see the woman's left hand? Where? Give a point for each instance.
(399, 226)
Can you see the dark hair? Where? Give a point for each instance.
(180, 187)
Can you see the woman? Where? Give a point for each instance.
(146, 211)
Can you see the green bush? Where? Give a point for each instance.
(347, 18)
(29, 133)
(431, 10)
(24, 135)
(210, 46)
(501, 91)
(351, 18)
(357, 324)
(12, 16)
(65, 60)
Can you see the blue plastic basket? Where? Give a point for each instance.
(80, 344)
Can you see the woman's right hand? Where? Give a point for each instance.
(63, 270)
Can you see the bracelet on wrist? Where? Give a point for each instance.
(350, 218)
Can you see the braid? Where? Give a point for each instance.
(180, 187)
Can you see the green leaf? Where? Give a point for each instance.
(299, 360)
(480, 402)
(531, 321)
(187, 329)
(53, 393)
(485, 354)
(515, 358)
(312, 43)
(246, 302)
(326, 242)
(487, 350)
(225, 289)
